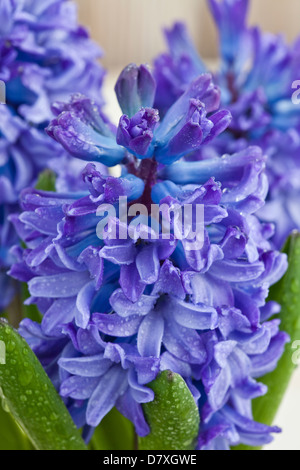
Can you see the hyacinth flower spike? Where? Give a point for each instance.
(256, 74)
(44, 56)
(185, 128)
(117, 311)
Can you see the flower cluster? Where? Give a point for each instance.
(44, 56)
(118, 309)
(256, 76)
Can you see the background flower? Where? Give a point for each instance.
(256, 75)
(44, 56)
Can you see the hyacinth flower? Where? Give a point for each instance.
(256, 75)
(44, 56)
(94, 375)
(190, 123)
(120, 300)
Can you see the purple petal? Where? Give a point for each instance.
(122, 254)
(60, 312)
(217, 395)
(198, 317)
(237, 271)
(246, 424)
(89, 341)
(221, 120)
(133, 411)
(83, 304)
(131, 283)
(150, 335)
(147, 264)
(79, 388)
(110, 387)
(169, 281)
(140, 393)
(124, 307)
(209, 291)
(135, 89)
(114, 325)
(87, 366)
(146, 368)
(263, 364)
(92, 259)
(58, 286)
(183, 343)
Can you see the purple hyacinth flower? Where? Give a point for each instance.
(230, 16)
(44, 56)
(229, 384)
(185, 126)
(107, 375)
(194, 130)
(230, 427)
(136, 134)
(50, 225)
(179, 42)
(135, 89)
(162, 318)
(139, 256)
(172, 72)
(130, 301)
(237, 361)
(93, 376)
(249, 113)
(189, 124)
(257, 70)
(85, 132)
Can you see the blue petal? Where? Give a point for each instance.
(114, 325)
(125, 307)
(198, 317)
(83, 304)
(58, 286)
(89, 366)
(78, 388)
(150, 335)
(135, 89)
(110, 387)
(133, 411)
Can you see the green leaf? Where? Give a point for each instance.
(287, 294)
(114, 433)
(14, 312)
(173, 416)
(31, 398)
(46, 181)
(11, 436)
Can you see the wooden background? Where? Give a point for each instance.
(130, 30)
